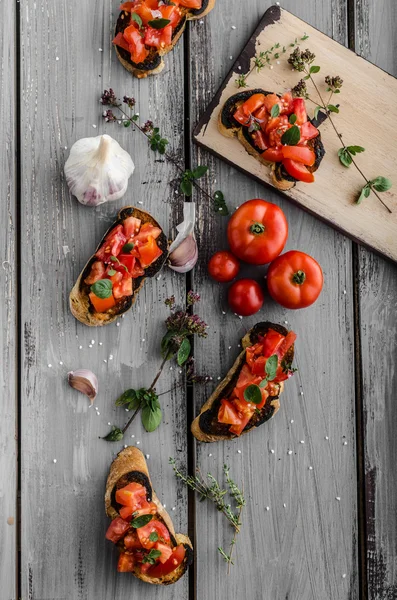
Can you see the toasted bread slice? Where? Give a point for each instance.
(129, 466)
(154, 63)
(206, 426)
(79, 301)
(229, 127)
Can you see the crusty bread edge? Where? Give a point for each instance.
(132, 459)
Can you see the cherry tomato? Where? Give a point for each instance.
(223, 266)
(245, 297)
(295, 279)
(257, 232)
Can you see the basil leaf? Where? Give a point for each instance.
(365, 192)
(141, 521)
(151, 557)
(271, 367)
(253, 394)
(102, 288)
(114, 436)
(186, 187)
(344, 157)
(381, 184)
(314, 69)
(199, 171)
(151, 418)
(183, 352)
(159, 23)
(126, 397)
(332, 108)
(135, 17)
(275, 111)
(154, 536)
(127, 248)
(292, 119)
(355, 149)
(112, 272)
(291, 137)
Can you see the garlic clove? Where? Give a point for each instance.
(183, 252)
(98, 170)
(84, 381)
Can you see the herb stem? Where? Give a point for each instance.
(132, 418)
(233, 542)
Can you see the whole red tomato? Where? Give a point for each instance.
(245, 297)
(257, 232)
(295, 279)
(223, 266)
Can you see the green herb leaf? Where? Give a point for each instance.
(154, 536)
(151, 557)
(292, 119)
(151, 418)
(253, 394)
(186, 187)
(141, 521)
(165, 345)
(271, 367)
(159, 23)
(220, 205)
(275, 111)
(381, 184)
(102, 288)
(365, 192)
(135, 17)
(183, 352)
(316, 111)
(114, 436)
(305, 37)
(129, 397)
(112, 272)
(126, 123)
(344, 157)
(314, 69)
(199, 171)
(291, 137)
(127, 247)
(332, 108)
(355, 149)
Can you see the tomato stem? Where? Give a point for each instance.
(299, 277)
(257, 228)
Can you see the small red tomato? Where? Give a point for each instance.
(295, 279)
(223, 266)
(245, 297)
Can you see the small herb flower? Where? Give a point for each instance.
(108, 98)
(300, 90)
(147, 127)
(170, 302)
(334, 83)
(130, 102)
(109, 116)
(299, 59)
(192, 298)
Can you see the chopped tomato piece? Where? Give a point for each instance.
(121, 42)
(308, 131)
(144, 11)
(301, 154)
(149, 252)
(131, 226)
(270, 101)
(133, 495)
(190, 3)
(259, 138)
(172, 13)
(126, 260)
(147, 230)
(137, 271)
(241, 116)
(96, 273)
(124, 288)
(250, 354)
(158, 38)
(261, 113)
(131, 541)
(286, 345)
(299, 109)
(177, 557)
(298, 170)
(127, 6)
(117, 529)
(286, 103)
(146, 508)
(271, 342)
(153, 527)
(116, 278)
(265, 395)
(228, 414)
(137, 46)
(101, 305)
(238, 429)
(165, 550)
(126, 563)
(258, 368)
(112, 245)
(253, 103)
(273, 154)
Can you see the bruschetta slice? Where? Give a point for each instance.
(248, 396)
(141, 527)
(133, 248)
(276, 131)
(146, 30)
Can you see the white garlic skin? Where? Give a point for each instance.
(98, 170)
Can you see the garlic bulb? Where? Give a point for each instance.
(97, 170)
(84, 381)
(183, 252)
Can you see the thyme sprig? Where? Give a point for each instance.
(302, 61)
(210, 489)
(264, 59)
(157, 143)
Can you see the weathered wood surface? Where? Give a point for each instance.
(64, 553)
(8, 309)
(305, 546)
(377, 288)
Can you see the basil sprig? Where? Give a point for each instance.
(291, 137)
(151, 557)
(159, 23)
(141, 521)
(102, 288)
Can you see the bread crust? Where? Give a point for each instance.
(79, 301)
(144, 69)
(132, 461)
(208, 409)
(230, 128)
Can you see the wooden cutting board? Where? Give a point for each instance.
(367, 117)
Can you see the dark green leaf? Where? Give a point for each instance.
(154, 536)
(126, 123)
(332, 108)
(305, 37)
(137, 18)
(151, 419)
(114, 259)
(158, 23)
(381, 184)
(253, 394)
(114, 436)
(183, 352)
(220, 205)
(165, 344)
(186, 187)
(127, 247)
(141, 521)
(271, 367)
(291, 137)
(307, 77)
(292, 119)
(275, 111)
(355, 149)
(344, 157)
(126, 397)
(102, 288)
(314, 69)
(336, 91)
(199, 171)
(151, 557)
(365, 192)
(112, 272)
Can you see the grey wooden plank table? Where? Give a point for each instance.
(56, 59)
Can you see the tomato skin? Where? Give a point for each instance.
(153, 526)
(117, 529)
(126, 563)
(121, 42)
(257, 232)
(253, 103)
(145, 231)
(165, 550)
(299, 109)
(96, 273)
(308, 131)
(223, 266)
(136, 44)
(259, 138)
(271, 342)
(241, 117)
(102, 304)
(131, 541)
(177, 557)
(298, 170)
(270, 101)
(131, 226)
(245, 297)
(273, 154)
(282, 286)
(112, 244)
(227, 413)
(149, 252)
(301, 154)
(133, 495)
(158, 38)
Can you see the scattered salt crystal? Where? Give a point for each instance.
(326, 437)
(302, 441)
(292, 420)
(223, 312)
(337, 498)
(110, 356)
(310, 468)
(100, 50)
(55, 460)
(159, 277)
(239, 68)
(230, 347)
(210, 455)
(285, 506)
(271, 66)
(267, 507)
(201, 22)
(289, 452)
(239, 451)
(301, 393)
(98, 413)
(170, 368)
(94, 126)
(65, 248)
(345, 443)
(234, 27)
(140, 202)
(127, 410)
(143, 339)
(104, 360)
(231, 57)
(272, 451)
(109, 423)
(92, 342)
(90, 345)
(133, 436)
(101, 343)
(50, 366)
(80, 347)
(344, 575)
(344, 291)
(286, 322)
(138, 443)
(218, 378)
(165, 506)
(147, 456)
(125, 446)
(173, 508)
(57, 58)
(66, 148)
(117, 324)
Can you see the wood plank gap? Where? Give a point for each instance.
(191, 453)
(351, 24)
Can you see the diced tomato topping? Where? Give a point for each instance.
(273, 154)
(165, 550)
(251, 354)
(270, 101)
(126, 260)
(271, 342)
(133, 495)
(121, 42)
(308, 131)
(299, 109)
(117, 529)
(96, 273)
(127, 6)
(253, 103)
(261, 113)
(172, 13)
(190, 3)
(298, 170)
(101, 305)
(131, 541)
(286, 345)
(147, 230)
(238, 429)
(116, 278)
(126, 563)
(228, 414)
(241, 117)
(301, 154)
(137, 271)
(146, 508)
(153, 526)
(112, 245)
(259, 138)
(136, 44)
(286, 103)
(177, 557)
(124, 288)
(144, 11)
(158, 38)
(131, 226)
(149, 252)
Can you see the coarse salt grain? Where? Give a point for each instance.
(109, 423)
(337, 498)
(92, 342)
(110, 356)
(133, 436)
(143, 339)
(140, 202)
(50, 366)
(90, 345)
(100, 50)
(326, 437)
(125, 446)
(238, 451)
(100, 343)
(55, 460)
(267, 507)
(60, 362)
(147, 456)
(292, 420)
(57, 58)
(345, 443)
(285, 506)
(272, 451)
(104, 360)
(289, 452)
(301, 393)
(80, 347)
(173, 508)
(344, 575)
(310, 468)
(117, 324)
(94, 126)
(302, 441)
(138, 443)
